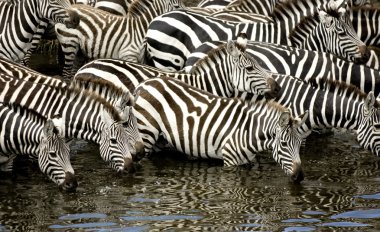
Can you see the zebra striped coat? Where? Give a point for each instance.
(171, 37)
(225, 72)
(104, 35)
(86, 115)
(292, 61)
(25, 132)
(203, 125)
(22, 24)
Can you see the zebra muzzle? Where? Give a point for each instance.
(364, 54)
(274, 89)
(70, 183)
(128, 165)
(297, 175)
(73, 20)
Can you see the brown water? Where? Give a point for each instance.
(341, 192)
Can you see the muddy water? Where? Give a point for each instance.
(341, 192)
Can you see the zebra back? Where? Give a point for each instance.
(26, 132)
(225, 72)
(207, 126)
(86, 115)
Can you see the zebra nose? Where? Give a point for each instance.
(364, 54)
(274, 89)
(70, 183)
(73, 20)
(298, 174)
(128, 165)
(139, 146)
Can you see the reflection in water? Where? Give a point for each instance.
(340, 191)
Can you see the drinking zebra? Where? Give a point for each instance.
(291, 61)
(104, 89)
(104, 35)
(207, 126)
(28, 133)
(22, 24)
(171, 37)
(86, 115)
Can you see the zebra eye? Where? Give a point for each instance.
(249, 68)
(53, 154)
(113, 140)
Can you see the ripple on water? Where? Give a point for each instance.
(370, 196)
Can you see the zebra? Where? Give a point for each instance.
(365, 21)
(86, 115)
(103, 35)
(18, 40)
(104, 89)
(291, 61)
(171, 37)
(28, 133)
(214, 3)
(225, 72)
(203, 125)
(332, 104)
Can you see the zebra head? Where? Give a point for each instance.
(246, 74)
(368, 133)
(59, 12)
(330, 31)
(114, 143)
(54, 156)
(288, 140)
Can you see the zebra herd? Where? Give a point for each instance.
(224, 81)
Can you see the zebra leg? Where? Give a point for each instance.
(6, 163)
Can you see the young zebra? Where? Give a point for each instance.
(27, 133)
(22, 24)
(207, 126)
(226, 71)
(104, 35)
(86, 115)
(171, 37)
(291, 61)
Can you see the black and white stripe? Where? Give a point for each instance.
(103, 35)
(225, 72)
(25, 132)
(22, 24)
(171, 37)
(292, 61)
(207, 126)
(86, 115)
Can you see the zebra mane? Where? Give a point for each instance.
(139, 7)
(306, 25)
(210, 54)
(325, 84)
(97, 85)
(75, 93)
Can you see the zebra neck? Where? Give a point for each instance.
(213, 76)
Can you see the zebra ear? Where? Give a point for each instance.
(232, 49)
(49, 128)
(284, 119)
(106, 118)
(369, 102)
(301, 119)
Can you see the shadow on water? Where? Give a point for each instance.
(340, 193)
